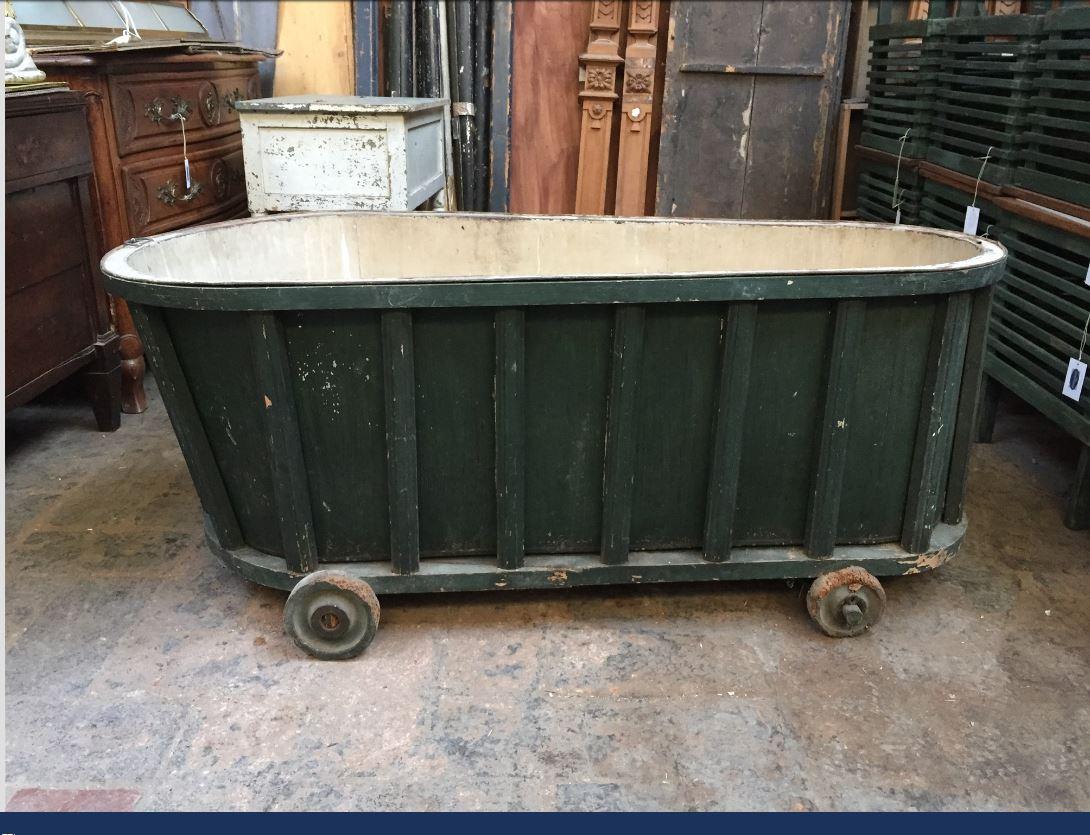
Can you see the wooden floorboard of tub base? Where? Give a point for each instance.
(568, 570)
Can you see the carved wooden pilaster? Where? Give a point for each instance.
(598, 94)
(636, 104)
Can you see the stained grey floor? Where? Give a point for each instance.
(135, 661)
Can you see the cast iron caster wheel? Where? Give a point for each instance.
(847, 602)
(331, 615)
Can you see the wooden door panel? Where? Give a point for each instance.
(751, 91)
(785, 162)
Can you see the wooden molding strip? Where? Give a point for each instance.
(636, 105)
(598, 94)
(752, 69)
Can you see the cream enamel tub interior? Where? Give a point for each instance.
(353, 247)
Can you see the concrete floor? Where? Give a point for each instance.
(142, 674)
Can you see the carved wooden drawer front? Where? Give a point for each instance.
(156, 196)
(145, 104)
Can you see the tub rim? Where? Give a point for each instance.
(980, 270)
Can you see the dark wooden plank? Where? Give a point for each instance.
(792, 120)
(755, 86)
(752, 69)
(338, 385)
(676, 412)
(397, 49)
(844, 359)
(567, 389)
(510, 437)
(285, 444)
(399, 379)
(366, 28)
(896, 337)
(500, 122)
(935, 429)
(968, 402)
(186, 420)
(781, 433)
(619, 477)
(729, 428)
(454, 354)
(712, 31)
(214, 351)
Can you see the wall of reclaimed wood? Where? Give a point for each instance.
(317, 41)
(545, 111)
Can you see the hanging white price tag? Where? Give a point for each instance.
(1073, 382)
(188, 179)
(897, 219)
(972, 219)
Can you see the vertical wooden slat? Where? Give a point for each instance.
(729, 426)
(621, 427)
(401, 465)
(954, 502)
(397, 47)
(291, 489)
(500, 122)
(510, 438)
(366, 26)
(182, 410)
(824, 511)
(936, 424)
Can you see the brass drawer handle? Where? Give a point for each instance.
(233, 98)
(168, 192)
(154, 110)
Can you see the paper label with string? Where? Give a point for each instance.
(188, 179)
(1073, 382)
(972, 219)
(897, 217)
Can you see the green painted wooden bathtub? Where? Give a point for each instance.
(386, 403)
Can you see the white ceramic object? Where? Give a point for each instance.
(18, 65)
(314, 153)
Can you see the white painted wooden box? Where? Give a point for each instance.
(307, 153)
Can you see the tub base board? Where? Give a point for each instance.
(567, 570)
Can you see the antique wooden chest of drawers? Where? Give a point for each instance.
(57, 320)
(145, 107)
